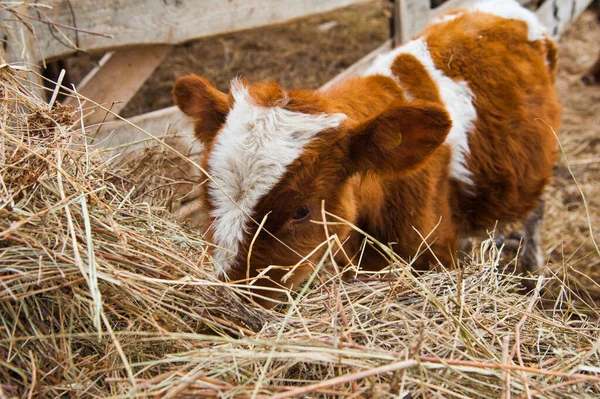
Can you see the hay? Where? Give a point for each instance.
(102, 296)
(565, 230)
(83, 261)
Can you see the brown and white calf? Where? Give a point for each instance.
(442, 137)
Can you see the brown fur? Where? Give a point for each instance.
(512, 150)
(200, 100)
(414, 78)
(386, 170)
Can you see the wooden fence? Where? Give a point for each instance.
(138, 34)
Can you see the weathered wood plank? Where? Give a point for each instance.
(359, 66)
(26, 50)
(556, 15)
(410, 17)
(127, 136)
(138, 22)
(118, 77)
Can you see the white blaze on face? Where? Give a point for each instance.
(250, 156)
(456, 96)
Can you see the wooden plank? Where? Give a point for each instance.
(136, 22)
(546, 16)
(556, 15)
(398, 34)
(128, 136)
(581, 6)
(25, 50)
(118, 77)
(410, 17)
(359, 66)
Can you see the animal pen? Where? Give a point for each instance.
(103, 295)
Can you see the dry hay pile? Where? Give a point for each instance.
(89, 274)
(102, 296)
(566, 228)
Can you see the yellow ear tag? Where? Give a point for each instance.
(396, 143)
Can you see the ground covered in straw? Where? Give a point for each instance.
(101, 295)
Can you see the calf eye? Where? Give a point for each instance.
(301, 213)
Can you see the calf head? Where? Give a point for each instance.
(275, 157)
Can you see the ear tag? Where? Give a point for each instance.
(396, 143)
(399, 140)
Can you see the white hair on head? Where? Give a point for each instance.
(249, 157)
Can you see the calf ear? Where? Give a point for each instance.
(400, 138)
(204, 103)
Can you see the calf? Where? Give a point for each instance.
(440, 138)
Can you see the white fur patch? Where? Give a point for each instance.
(445, 18)
(250, 155)
(511, 9)
(456, 97)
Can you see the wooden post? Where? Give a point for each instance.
(20, 45)
(410, 17)
(556, 15)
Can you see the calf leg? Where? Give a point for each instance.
(510, 243)
(532, 258)
(592, 77)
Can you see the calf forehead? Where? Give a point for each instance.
(249, 157)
